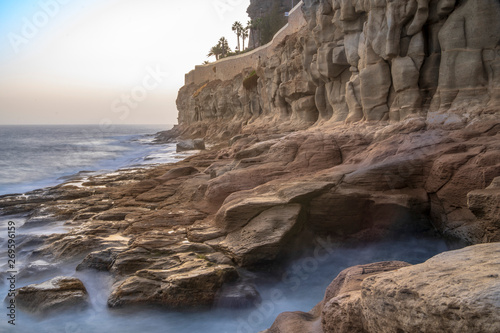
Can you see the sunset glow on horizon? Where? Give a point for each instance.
(75, 61)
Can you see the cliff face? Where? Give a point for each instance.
(258, 8)
(396, 101)
(267, 17)
(369, 119)
(366, 61)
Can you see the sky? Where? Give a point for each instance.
(104, 61)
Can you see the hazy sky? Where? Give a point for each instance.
(104, 61)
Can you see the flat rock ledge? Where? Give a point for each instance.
(456, 291)
(58, 294)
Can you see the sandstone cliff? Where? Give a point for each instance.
(267, 18)
(396, 104)
(365, 61)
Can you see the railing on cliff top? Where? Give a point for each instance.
(227, 68)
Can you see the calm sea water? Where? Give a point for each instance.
(37, 156)
(32, 157)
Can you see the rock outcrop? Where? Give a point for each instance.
(57, 294)
(485, 205)
(456, 291)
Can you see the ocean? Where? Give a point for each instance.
(33, 157)
(37, 156)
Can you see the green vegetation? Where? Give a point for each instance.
(244, 36)
(255, 27)
(263, 29)
(220, 50)
(251, 80)
(242, 32)
(238, 30)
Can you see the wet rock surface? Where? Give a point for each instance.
(187, 145)
(57, 294)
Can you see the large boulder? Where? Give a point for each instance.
(265, 236)
(457, 291)
(60, 293)
(191, 284)
(485, 204)
(341, 305)
(330, 315)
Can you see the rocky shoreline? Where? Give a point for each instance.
(375, 121)
(174, 235)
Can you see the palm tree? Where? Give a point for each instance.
(220, 50)
(244, 35)
(215, 51)
(224, 47)
(238, 29)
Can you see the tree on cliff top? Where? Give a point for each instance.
(220, 50)
(244, 36)
(238, 30)
(215, 51)
(224, 46)
(254, 26)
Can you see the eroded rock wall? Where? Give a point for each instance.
(361, 60)
(407, 90)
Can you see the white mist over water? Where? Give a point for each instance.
(299, 287)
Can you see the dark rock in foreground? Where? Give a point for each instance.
(192, 284)
(58, 294)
